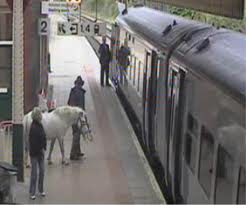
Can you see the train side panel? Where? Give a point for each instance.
(207, 172)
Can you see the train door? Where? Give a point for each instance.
(161, 135)
(115, 42)
(175, 99)
(157, 88)
(145, 96)
(152, 96)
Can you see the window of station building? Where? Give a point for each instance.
(206, 160)
(241, 196)
(224, 177)
(6, 17)
(5, 66)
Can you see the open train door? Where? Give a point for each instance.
(149, 99)
(115, 42)
(176, 100)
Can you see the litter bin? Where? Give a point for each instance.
(8, 178)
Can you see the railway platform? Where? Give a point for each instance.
(114, 169)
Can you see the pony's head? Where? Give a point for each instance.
(75, 115)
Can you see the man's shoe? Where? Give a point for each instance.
(81, 154)
(33, 197)
(74, 158)
(43, 194)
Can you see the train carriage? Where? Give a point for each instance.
(185, 90)
(213, 117)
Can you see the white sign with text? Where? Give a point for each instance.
(82, 29)
(57, 7)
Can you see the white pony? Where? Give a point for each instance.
(56, 124)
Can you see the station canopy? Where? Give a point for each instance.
(228, 8)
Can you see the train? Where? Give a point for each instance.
(185, 93)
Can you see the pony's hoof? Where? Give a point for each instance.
(50, 162)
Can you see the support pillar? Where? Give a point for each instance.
(18, 88)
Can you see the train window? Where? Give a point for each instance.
(241, 197)
(138, 74)
(141, 77)
(206, 160)
(192, 125)
(134, 70)
(133, 40)
(191, 151)
(130, 37)
(224, 178)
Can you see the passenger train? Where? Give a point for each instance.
(185, 91)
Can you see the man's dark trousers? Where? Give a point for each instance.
(104, 69)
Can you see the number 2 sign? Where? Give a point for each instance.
(44, 26)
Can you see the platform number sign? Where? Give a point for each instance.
(44, 26)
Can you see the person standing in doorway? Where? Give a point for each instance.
(37, 143)
(123, 60)
(77, 98)
(105, 58)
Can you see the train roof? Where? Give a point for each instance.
(223, 58)
(220, 56)
(161, 29)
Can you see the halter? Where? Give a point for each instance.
(87, 135)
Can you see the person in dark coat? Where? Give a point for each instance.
(37, 147)
(77, 98)
(105, 58)
(123, 60)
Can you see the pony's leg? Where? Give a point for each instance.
(52, 143)
(26, 155)
(61, 143)
(27, 159)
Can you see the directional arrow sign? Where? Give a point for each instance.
(74, 28)
(81, 29)
(63, 28)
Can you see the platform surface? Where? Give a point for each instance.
(114, 169)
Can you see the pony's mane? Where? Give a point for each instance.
(64, 111)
